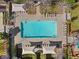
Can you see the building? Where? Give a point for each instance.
(30, 33)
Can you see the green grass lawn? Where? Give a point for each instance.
(20, 1)
(70, 1)
(75, 13)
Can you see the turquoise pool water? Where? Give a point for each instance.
(38, 29)
(78, 45)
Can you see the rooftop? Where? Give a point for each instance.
(17, 7)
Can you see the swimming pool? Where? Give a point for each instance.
(77, 45)
(39, 29)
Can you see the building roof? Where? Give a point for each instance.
(49, 50)
(27, 50)
(17, 7)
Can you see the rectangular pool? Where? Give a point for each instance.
(39, 29)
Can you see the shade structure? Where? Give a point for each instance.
(17, 7)
(28, 50)
(49, 50)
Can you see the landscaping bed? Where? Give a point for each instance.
(3, 45)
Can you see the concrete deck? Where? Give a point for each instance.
(59, 18)
(60, 28)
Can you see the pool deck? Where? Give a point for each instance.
(59, 18)
(60, 25)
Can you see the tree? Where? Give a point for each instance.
(7, 0)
